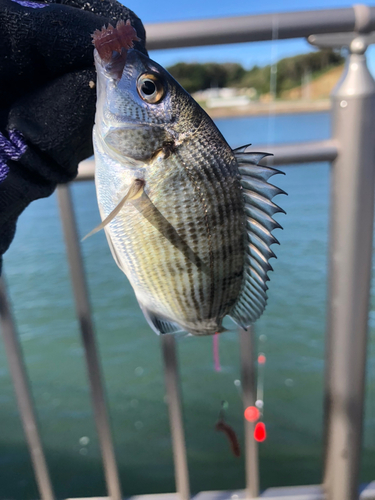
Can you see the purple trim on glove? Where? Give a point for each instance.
(10, 149)
(4, 169)
(33, 5)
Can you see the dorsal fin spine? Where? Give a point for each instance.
(262, 246)
(263, 267)
(261, 288)
(268, 206)
(261, 187)
(256, 276)
(263, 218)
(261, 231)
(257, 171)
(254, 302)
(254, 309)
(259, 209)
(251, 291)
(254, 252)
(258, 268)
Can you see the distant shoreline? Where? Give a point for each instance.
(277, 107)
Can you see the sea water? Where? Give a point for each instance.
(290, 334)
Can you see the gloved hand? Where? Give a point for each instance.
(47, 96)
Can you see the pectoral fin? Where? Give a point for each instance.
(159, 324)
(145, 206)
(139, 199)
(135, 191)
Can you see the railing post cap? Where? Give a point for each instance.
(356, 80)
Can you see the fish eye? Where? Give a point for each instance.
(150, 88)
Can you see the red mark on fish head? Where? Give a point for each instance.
(251, 414)
(261, 359)
(260, 433)
(119, 39)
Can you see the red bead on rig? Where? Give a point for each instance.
(260, 433)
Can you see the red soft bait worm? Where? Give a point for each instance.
(222, 426)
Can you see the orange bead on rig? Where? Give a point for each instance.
(261, 359)
(251, 414)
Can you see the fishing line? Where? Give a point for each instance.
(215, 351)
(259, 403)
(370, 418)
(273, 82)
(256, 413)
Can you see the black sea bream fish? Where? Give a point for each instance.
(187, 219)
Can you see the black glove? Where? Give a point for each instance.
(47, 96)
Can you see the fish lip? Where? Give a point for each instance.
(108, 69)
(98, 60)
(113, 69)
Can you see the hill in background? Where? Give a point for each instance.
(295, 77)
(318, 88)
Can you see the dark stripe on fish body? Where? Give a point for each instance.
(180, 212)
(216, 194)
(194, 182)
(223, 172)
(191, 231)
(177, 296)
(211, 196)
(220, 197)
(157, 219)
(192, 287)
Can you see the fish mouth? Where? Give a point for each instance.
(112, 46)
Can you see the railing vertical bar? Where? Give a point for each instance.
(249, 398)
(88, 339)
(351, 241)
(168, 343)
(21, 386)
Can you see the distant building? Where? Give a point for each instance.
(225, 97)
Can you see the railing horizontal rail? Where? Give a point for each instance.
(258, 28)
(305, 152)
(283, 154)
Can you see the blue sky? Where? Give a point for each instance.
(247, 54)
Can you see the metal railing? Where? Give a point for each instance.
(351, 152)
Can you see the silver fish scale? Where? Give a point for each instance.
(197, 190)
(215, 179)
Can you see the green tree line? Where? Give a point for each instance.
(290, 71)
